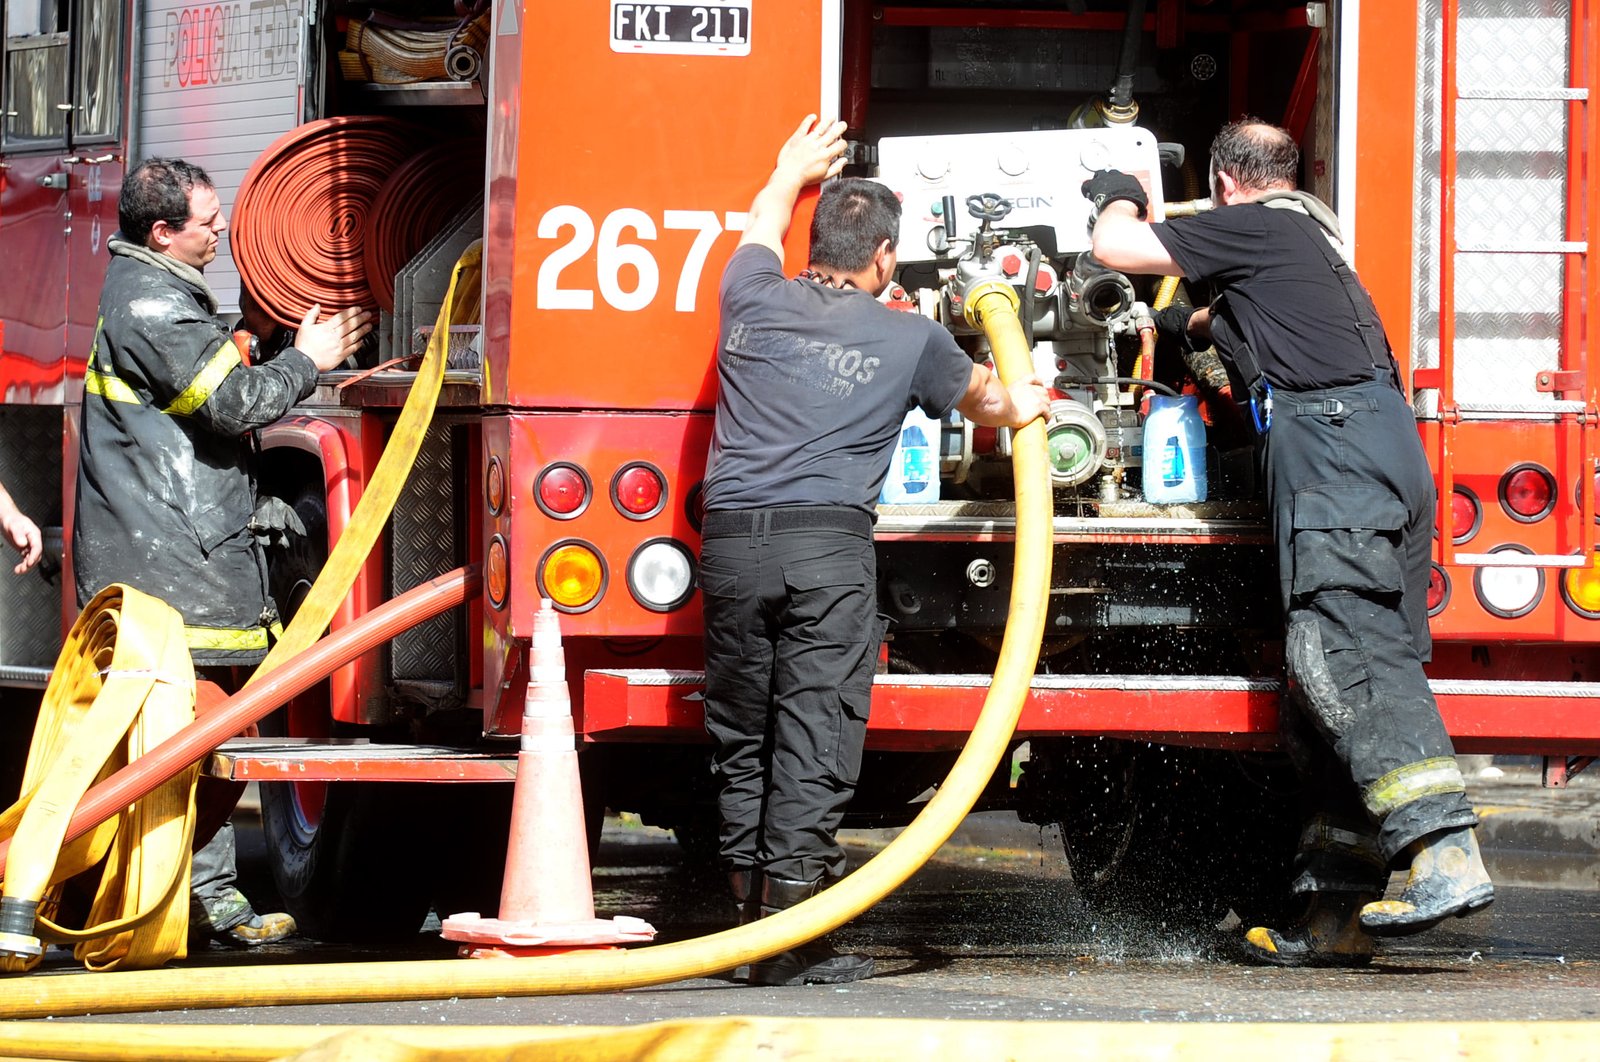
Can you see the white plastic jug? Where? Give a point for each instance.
(1174, 451)
(914, 468)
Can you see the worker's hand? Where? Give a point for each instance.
(328, 343)
(1174, 321)
(1108, 186)
(274, 521)
(24, 535)
(814, 152)
(1031, 399)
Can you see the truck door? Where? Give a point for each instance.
(64, 110)
(644, 131)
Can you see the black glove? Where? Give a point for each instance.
(274, 521)
(1107, 186)
(1174, 321)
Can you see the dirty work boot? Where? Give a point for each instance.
(744, 885)
(813, 963)
(1328, 934)
(1447, 878)
(229, 919)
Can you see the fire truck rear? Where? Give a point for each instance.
(603, 153)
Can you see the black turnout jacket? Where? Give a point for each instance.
(166, 484)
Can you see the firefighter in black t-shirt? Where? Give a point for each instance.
(1351, 500)
(815, 377)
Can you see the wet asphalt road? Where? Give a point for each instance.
(992, 929)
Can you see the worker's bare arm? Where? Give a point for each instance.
(990, 402)
(813, 153)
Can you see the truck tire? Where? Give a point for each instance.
(1173, 835)
(347, 857)
(19, 711)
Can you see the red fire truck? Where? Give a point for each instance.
(1456, 139)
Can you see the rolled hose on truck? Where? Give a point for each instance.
(991, 307)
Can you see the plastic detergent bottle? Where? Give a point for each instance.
(914, 468)
(1174, 451)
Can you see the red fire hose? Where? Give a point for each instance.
(296, 675)
(414, 204)
(300, 219)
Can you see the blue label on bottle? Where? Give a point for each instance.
(914, 470)
(1172, 467)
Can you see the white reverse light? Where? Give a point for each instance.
(1509, 591)
(661, 574)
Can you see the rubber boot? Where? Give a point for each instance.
(744, 886)
(229, 919)
(813, 963)
(1328, 934)
(1447, 878)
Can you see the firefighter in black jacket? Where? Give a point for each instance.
(1351, 500)
(166, 497)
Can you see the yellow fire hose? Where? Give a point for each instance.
(140, 915)
(992, 307)
(833, 1039)
(124, 682)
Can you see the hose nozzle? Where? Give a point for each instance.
(17, 918)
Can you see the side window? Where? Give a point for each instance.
(97, 58)
(36, 102)
(62, 78)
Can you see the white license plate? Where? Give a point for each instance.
(715, 28)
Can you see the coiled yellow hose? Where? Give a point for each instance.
(991, 307)
(123, 683)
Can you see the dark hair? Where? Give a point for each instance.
(157, 190)
(853, 216)
(1255, 154)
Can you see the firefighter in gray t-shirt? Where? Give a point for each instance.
(814, 379)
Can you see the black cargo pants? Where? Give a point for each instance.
(1352, 508)
(791, 642)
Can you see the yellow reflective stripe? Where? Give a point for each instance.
(205, 381)
(225, 637)
(108, 387)
(1412, 782)
(1321, 836)
(94, 348)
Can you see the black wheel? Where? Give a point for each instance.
(1171, 834)
(348, 858)
(696, 831)
(19, 711)
(469, 863)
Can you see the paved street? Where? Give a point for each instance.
(993, 929)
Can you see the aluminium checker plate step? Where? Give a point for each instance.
(274, 759)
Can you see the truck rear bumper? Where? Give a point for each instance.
(938, 711)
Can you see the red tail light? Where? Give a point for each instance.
(639, 490)
(562, 491)
(1438, 590)
(1527, 493)
(1465, 515)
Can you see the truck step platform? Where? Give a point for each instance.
(276, 759)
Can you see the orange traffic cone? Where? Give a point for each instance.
(547, 901)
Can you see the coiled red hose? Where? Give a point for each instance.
(300, 219)
(415, 203)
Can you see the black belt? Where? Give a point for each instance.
(729, 523)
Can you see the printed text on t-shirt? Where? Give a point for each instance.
(778, 355)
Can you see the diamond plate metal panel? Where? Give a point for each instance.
(30, 468)
(423, 544)
(1500, 48)
(1510, 188)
